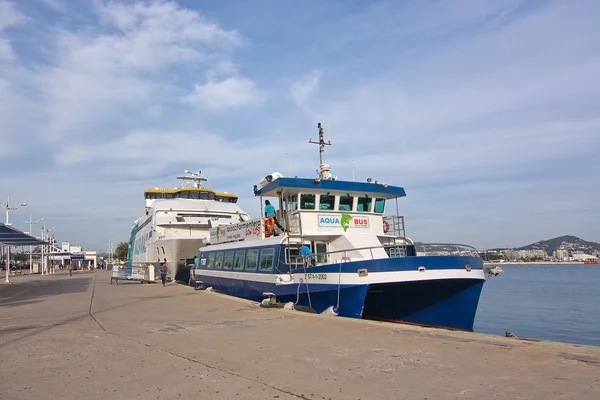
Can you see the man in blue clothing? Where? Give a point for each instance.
(270, 212)
(305, 252)
(163, 273)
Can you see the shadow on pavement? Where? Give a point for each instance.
(14, 295)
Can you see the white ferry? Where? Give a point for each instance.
(366, 267)
(176, 224)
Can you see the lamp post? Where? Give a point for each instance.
(45, 235)
(31, 222)
(8, 208)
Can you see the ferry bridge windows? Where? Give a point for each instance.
(307, 201)
(292, 203)
(238, 262)
(346, 203)
(326, 202)
(379, 206)
(219, 260)
(211, 260)
(251, 260)
(266, 259)
(228, 260)
(364, 204)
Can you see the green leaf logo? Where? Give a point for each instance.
(345, 221)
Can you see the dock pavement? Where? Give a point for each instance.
(78, 337)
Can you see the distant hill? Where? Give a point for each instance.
(570, 243)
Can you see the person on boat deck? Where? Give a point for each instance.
(305, 252)
(270, 212)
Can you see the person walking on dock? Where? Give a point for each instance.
(163, 273)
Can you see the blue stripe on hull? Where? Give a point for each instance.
(446, 303)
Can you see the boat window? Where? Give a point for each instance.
(219, 260)
(307, 201)
(292, 256)
(168, 195)
(211, 260)
(194, 195)
(266, 259)
(321, 252)
(238, 262)
(379, 206)
(326, 202)
(364, 204)
(251, 260)
(346, 203)
(395, 252)
(228, 260)
(292, 202)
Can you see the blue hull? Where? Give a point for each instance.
(440, 303)
(448, 303)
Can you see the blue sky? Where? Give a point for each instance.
(486, 112)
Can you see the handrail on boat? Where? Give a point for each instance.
(468, 250)
(446, 249)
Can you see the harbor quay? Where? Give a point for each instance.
(79, 337)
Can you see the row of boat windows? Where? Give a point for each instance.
(242, 260)
(309, 201)
(192, 194)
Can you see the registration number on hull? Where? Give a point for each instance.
(316, 276)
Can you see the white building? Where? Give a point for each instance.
(75, 255)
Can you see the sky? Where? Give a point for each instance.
(487, 112)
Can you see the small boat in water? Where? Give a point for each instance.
(365, 265)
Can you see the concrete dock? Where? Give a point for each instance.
(79, 337)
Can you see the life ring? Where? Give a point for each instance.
(270, 224)
(386, 227)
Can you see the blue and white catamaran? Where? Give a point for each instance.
(366, 267)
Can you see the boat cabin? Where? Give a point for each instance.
(337, 220)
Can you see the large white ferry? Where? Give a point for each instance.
(366, 267)
(176, 224)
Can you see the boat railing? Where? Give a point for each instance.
(392, 251)
(345, 255)
(393, 225)
(445, 249)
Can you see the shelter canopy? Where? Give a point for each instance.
(10, 236)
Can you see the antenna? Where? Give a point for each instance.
(322, 145)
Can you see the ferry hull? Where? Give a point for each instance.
(393, 290)
(439, 303)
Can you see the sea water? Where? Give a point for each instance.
(550, 302)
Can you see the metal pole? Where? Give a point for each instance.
(42, 253)
(7, 247)
(8, 208)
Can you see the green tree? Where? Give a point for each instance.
(121, 251)
(20, 257)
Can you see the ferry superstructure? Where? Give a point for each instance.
(176, 223)
(366, 267)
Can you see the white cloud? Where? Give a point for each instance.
(9, 15)
(304, 88)
(131, 62)
(228, 93)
